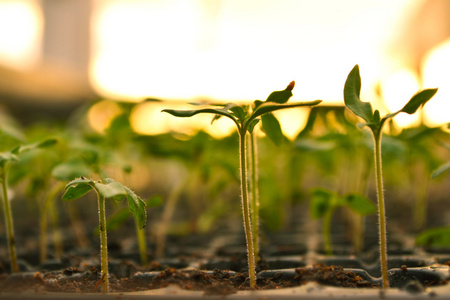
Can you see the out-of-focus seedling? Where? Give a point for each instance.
(6, 159)
(324, 203)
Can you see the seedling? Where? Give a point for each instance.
(245, 117)
(325, 202)
(106, 189)
(375, 123)
(6, 158)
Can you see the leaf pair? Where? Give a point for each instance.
(324, 201)
(240, 114)
(12, 155)
(364, 110)
(109, 190)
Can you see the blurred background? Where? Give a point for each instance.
(84, 71)
(56, 55)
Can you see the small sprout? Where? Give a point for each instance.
(106, 189)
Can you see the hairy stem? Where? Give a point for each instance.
(103, 242)
(381, 208)
(9, 224)
(255, 194)
(246, 208)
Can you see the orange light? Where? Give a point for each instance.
(21, 24)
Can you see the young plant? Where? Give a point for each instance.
(325, 202)
(6, 158)
(245, 118)
(375, 123)
(106, 189)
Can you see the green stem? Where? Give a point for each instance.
(255, 194)
(142, 242)
(381, 208)
(245, 208)
(9, 224)
(103, 243)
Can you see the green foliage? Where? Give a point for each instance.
(241, 114)
(435, 237)
(364, 110)
(109, 190)
(442, 169)
(324, 201)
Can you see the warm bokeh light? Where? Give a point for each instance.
(147, 118)
(102, 113)
(241, 51)
(397, 88)
(238, 50)
(436, 73)
(21, 24)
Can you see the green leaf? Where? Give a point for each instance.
(418, 100)
(77, 188)
(252, 125)
(321, 203)
(6, 157)
(268, 107)
(71, 169)
(43, 144)
(137, 207)
(438, 237)
(442, 169)
(360, 204)
(271, 127)
(281, 96)
(111, 190)
(352, 90)
(239, 112)
(193, 112)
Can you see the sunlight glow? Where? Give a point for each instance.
(147, 118)
(102, 113)
(436, 73)
(234, 50)
(21, 25)
(397, 89)
(250, 49)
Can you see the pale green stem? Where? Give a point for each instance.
(246, 208)
(381, 209)
(9, 224)
(255, 194)
(103, 243)
(142, 242)
(420, 207)
(77, 225)
(43, 229)
(169, 209)
(56, 230)
(327, 232)
(49, 207)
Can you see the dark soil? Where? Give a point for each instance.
(216, 282)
